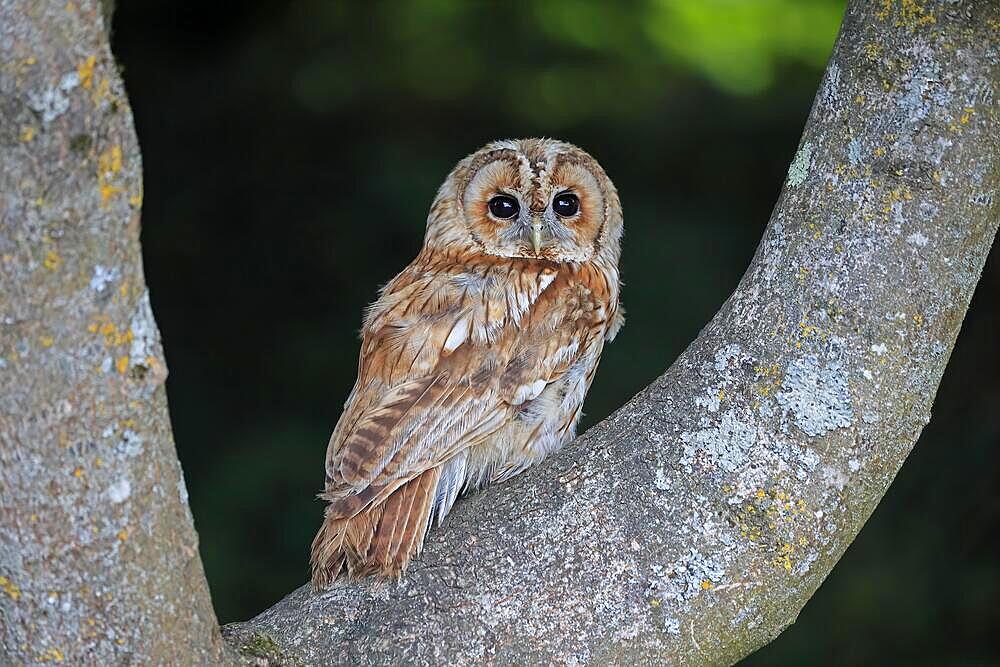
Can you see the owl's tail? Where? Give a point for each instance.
(379, 540)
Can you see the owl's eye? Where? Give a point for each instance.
(504, 207)
(566, 204)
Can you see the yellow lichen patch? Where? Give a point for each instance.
(706, 585)
(122, 364)
(109, 163)
(111, 160)
(46, 341)
(896, 195)
(914, 15)
(27, 133)
(722, 395)
(85, 71)
(963, 119)
(113, 336)
(52, 260)
(784, 556)
(769, 381)
(911, 14)
(51, 655)
(122, 535)
(10, 588)
(872, 50)
(807, 330)
(102, 92)
(879, 151)
(109, 191)
(918, 319)
(78, 472)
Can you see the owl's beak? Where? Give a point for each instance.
(536, 235)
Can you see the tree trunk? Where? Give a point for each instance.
(689, 527)
(98, 555)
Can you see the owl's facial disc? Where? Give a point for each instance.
(535, 199)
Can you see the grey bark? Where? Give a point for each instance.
(692, 525)
(98, 554)
(689, 527)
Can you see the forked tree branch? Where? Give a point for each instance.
(692, 525)
(689, 527)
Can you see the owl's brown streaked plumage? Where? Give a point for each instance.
(476, 358)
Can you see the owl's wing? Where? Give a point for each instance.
(442, 367)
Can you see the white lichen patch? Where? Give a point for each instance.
(54, 101)
(726, 446)
(119, 491)
(799, 168)
(103, 277)
(182, 491)
(817, 396)
(143, 331)
(855, 152)
(131, 443)
(917, 239)
(662, 481)
(723, 371)
(686, 578)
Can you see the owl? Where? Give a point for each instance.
(476, 358)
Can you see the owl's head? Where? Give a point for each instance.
(529, 198)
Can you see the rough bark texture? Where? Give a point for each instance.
(693, 525)
(690, 527)
(98, 555)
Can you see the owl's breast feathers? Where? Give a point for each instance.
(471, 368)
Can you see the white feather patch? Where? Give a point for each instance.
(527, 392)
(458, 335)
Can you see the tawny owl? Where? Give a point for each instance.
(476, 358)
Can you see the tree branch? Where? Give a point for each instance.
(98, 555)
(693, 524)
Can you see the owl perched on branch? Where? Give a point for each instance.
(476, 358)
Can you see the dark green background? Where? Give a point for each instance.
(291, 151)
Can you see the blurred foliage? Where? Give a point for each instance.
(291, 150)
